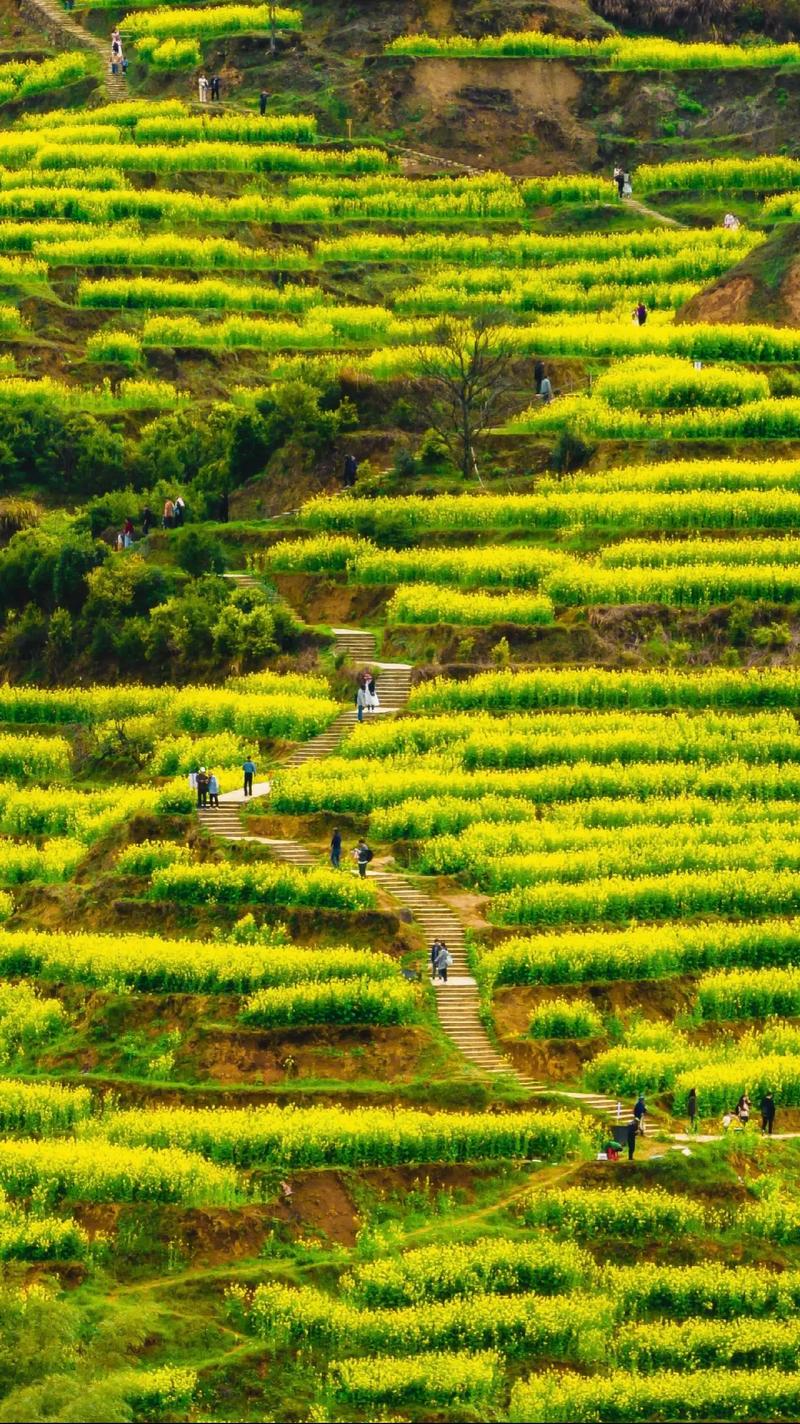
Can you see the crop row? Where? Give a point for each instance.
(312, 1137)
(155, 293)
(498, 856)
(603, 688)
(650, 952)
(616, 899)
(465, 1380)
(293, 707)
(21, 80)
(771, 419)
(549, 293)
(612, 51)
(152, 965)
(417, 819)
(489, 1264)
(350, 1001)
(630, 1398)
(210, 23)
(429, 603)
(56, 860)
(533, 249)
(262, 884)
(616, 511)
(343, 786)
(563, 737)
(94, 146)
(681, 475)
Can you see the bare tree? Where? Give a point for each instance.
(464, 377)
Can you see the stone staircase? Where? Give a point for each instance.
(457, 1001)
(59, 27)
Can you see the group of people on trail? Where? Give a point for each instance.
(632, 1130)
(623, 181)
(366, 696)
(174, 516)
(209, 89)
(206, 784)
(119, 64)
(739, 1117)
(441, 960)
(362, 855)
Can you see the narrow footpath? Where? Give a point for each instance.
(457, 1001)
(59, 27)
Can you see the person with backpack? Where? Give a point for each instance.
(362, 856)
(249, 769)
(435, 948)
(336, 849)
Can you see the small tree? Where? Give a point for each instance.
(464, 378)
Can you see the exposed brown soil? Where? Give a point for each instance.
(765, 287)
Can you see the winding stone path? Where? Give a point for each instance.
(458, 1001)
(59, 27)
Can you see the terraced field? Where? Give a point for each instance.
(287, 400)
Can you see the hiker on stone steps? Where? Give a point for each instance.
(213, 789)
(444, 961)
(362, 856)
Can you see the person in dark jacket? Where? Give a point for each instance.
(362, 856)
(262, 102)
(336, 848)
(640, 313)
(202, 787)
(249, 769)
(631, 1133)
(148, 520)
(691, 1108)
(639, 1113)
(349, 472)
(435, 947)
(538, 376)
(767, 1113)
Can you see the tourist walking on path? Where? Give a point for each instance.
(640, 314)
(372, 697)
(743, 1110)
(691, 1108)
(619, 179)
(169, 514)
(213, 789)
(640, 1112)
(631, 1134)
(349, 471)
(361, 700)
(148, 520)
(262, 102)
(180, 512)
(362, 856)
(215, 94)
(202, 89)
(627, 186)
(336, 849)
(435, 947)
(443, 961)
(202, 787)
(249, 769)
(767, 1113)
